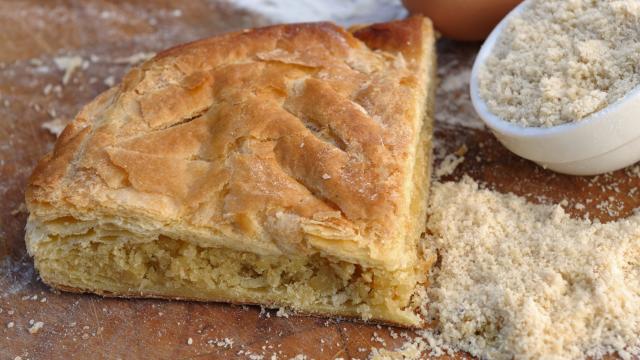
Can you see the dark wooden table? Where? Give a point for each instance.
(105, 36)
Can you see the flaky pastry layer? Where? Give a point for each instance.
(169, 268)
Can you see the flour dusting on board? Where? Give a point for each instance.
(454, 107)
(343, 12)
(19, 273)
(454, 111)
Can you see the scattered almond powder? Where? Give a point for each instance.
(633, 170)
(378, 339)
(448, 165)
(525, 281)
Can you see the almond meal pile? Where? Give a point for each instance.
(523, 281)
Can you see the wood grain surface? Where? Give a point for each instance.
(105, 35)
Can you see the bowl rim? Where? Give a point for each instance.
(511, 129)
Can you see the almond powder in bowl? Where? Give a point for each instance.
(563, 60)
(557, 82)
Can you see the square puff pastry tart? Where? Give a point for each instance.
(283, 166)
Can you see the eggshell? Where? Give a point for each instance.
(467, 20)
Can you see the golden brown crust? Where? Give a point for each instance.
(287, 139)
(395, 36)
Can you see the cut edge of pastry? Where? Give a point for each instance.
(82, 256)
(174, 269)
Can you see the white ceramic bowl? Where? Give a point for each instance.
(604, 141)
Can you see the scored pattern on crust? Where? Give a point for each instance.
(256, 129)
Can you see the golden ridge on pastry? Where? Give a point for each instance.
(284, 166)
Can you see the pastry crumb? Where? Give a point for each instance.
(109, 81)
(36, 327)
(282, 312)
(21, 209)
(55, 126)
(134, 58)
(68, 64)
(223, 343)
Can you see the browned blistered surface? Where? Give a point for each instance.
(223, 134)
(107, 36)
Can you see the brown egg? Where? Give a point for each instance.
(466, 20)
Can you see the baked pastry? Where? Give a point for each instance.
(284, 166)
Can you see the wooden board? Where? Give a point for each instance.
(105, 35)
